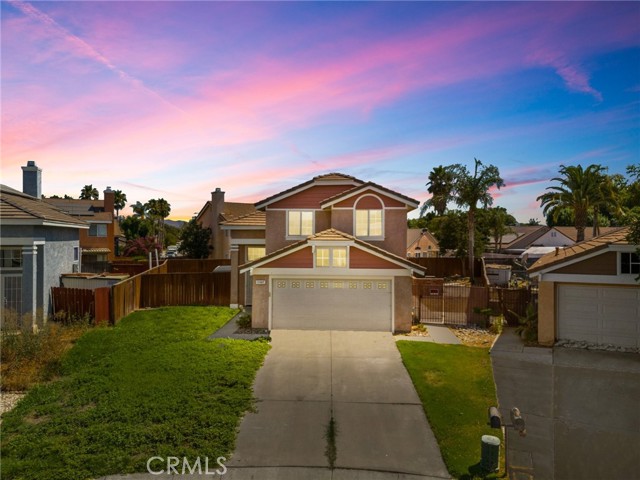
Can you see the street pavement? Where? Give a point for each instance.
(581, 408)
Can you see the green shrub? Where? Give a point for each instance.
(244, 320)
(528, 323)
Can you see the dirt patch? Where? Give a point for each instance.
(474, 336)
(8, 400)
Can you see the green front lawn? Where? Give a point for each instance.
(151, 386)
(455, 384)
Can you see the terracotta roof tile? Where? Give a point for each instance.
(618, 236)
(16, 205)
(255, 219)
(233, 210)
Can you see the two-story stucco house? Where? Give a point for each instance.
(335, 257)
(38, 244)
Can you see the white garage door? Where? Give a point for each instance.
(330, 304)
(603, 315)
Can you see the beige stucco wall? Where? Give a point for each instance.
(260, 308)
(546, 313)
(402, 303)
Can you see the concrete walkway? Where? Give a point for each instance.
(435, 334)
(358, 380)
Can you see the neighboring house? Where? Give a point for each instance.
(39, 243)
(98, 243)
(421, 243)
(589, 292)
(335, 258)
(213, 214)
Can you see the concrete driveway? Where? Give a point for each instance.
(356, 378)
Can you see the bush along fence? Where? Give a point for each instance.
(155, 287)
(435, 301)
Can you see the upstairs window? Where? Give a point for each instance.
(369, 223)
(98, 230)
(299, 223)
(331, 257)
(629, 263)
(254, 253)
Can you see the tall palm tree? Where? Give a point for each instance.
(607, 199)
(120, 201)
(578, 191)
(469, 190)
(159, 210)
(440, 185)
(139, 210)
(88, 192)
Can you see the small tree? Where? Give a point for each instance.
(194, 240)
(141, 246)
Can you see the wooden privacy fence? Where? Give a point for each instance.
(185, 289)
(189, 265)
(77, 303)
(442, 267)
(435, 301)
(125, 296)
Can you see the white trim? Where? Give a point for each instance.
(302, 235)
(298, 209)
(331, 248)
(299, 189)
(331, 272)
(243, 227)
(375, 189)
(379, 238)
(247, 241)
(385, 208)
(589, 279)
(619, 264)
(41, 222)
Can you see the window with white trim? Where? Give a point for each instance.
(629, 263)
(76, 254)
(331, 257)
(369, 223)
(98, 230)
(299, 223)
(10, 257)
(254, 253)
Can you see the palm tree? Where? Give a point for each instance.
(120, 201)
(140, 210)
(468, 190)
(499, 222)
(89, 193)
(440, 185)
(579, 191)
(159, 210)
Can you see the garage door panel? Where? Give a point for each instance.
(603, 315)
(330, 304)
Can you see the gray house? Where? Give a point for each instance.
(38, 243)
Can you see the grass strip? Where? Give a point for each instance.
(455, 385)
(151, 386)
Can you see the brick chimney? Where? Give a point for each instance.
(109, 200)
(32, 179)
(217, 208)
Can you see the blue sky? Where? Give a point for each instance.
(174, 99)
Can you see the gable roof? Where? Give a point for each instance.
(78, 207)
(21, 208)
(329, 178)
(419, 237)
(333, 235)
(562, 255)
(410, 202)
(230, 210)
(525, 238)
(257, 219)
(572, 232)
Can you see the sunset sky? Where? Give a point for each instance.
(174, 99)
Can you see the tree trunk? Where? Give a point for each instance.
(472, 232)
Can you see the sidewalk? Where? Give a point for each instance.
(435, 334)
